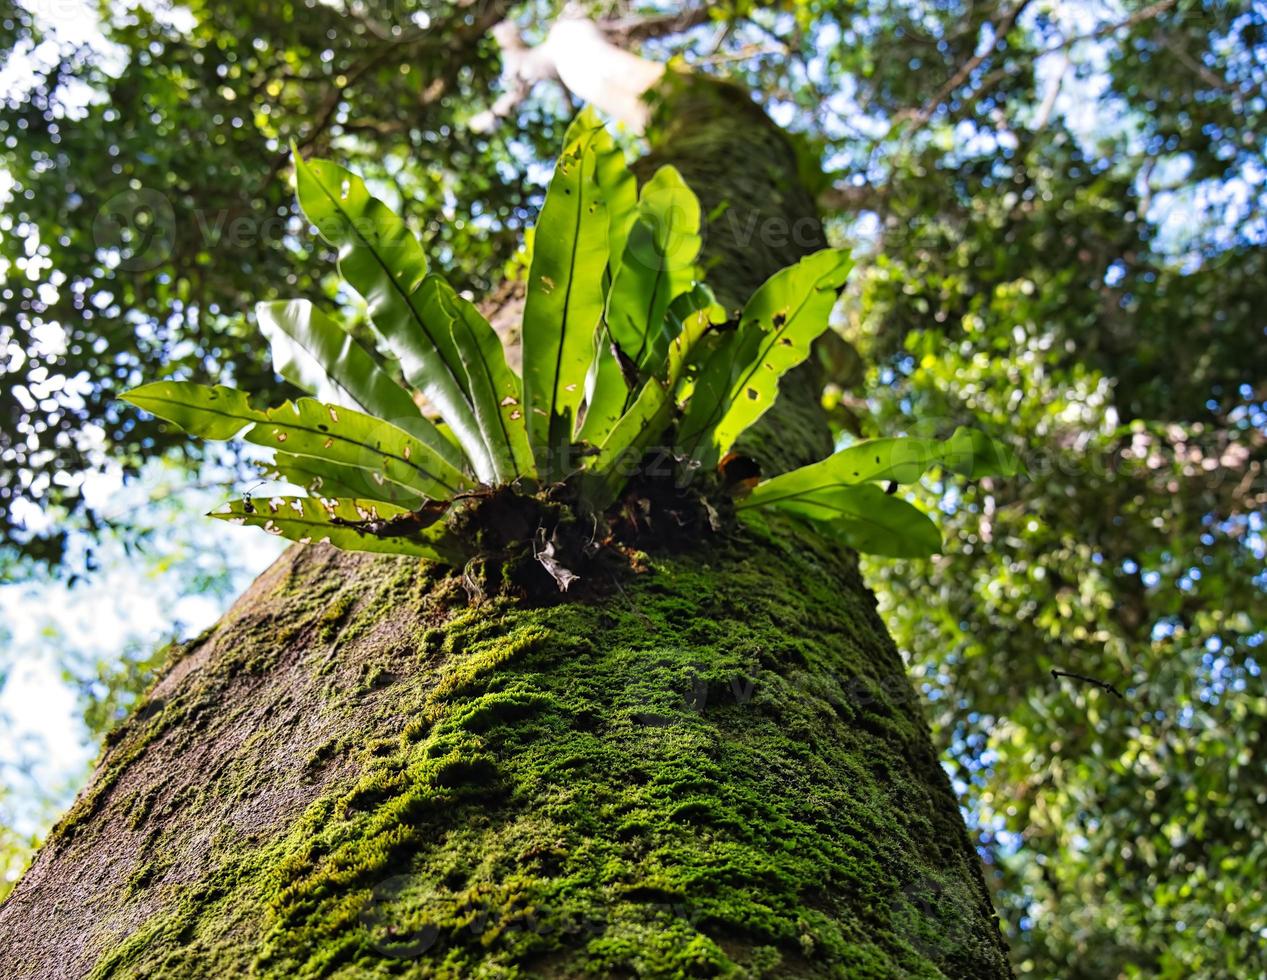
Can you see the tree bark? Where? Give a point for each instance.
(714, 765)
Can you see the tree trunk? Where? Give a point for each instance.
(713, 766)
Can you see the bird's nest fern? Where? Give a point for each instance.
(625, 354)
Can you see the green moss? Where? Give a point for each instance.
(330, 749)
(571, 790)
(144, 875)
(335, 615)
(483, 656)
(374, 676)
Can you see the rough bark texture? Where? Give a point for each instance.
(714, 766)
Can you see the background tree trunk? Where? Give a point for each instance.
(714, 763)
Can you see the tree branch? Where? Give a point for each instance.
(580, 55)
(627, 31)
(462, 36)
(1000, 30)
(851, 197)
(1102, 685)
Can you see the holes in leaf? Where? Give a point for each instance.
(753, 394)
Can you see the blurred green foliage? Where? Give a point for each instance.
(1059, 214)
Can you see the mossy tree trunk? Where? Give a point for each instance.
(714, 765)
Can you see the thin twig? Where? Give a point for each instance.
(1102, 685)
(920, 117)
(1000, 31)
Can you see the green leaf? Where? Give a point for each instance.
(868, 519)
(623, 449)
(341, 435)
(348, 524)
(306, 428)
(973, 454)
(898, 459)
(902, 460)
(490, 386)
(322, 478)
(565, 288)
(606, 390)
(740, 380)
(619, 188)
(657, 266)
(693, 314)
(210, 412)
(383, 262)
(316, 353)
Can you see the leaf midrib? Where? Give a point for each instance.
(567, 294)
(396, 286)
(319, 432)
(459, 316)
(722, 408)
(330, 529)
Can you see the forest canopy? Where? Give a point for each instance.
(1056, 213)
